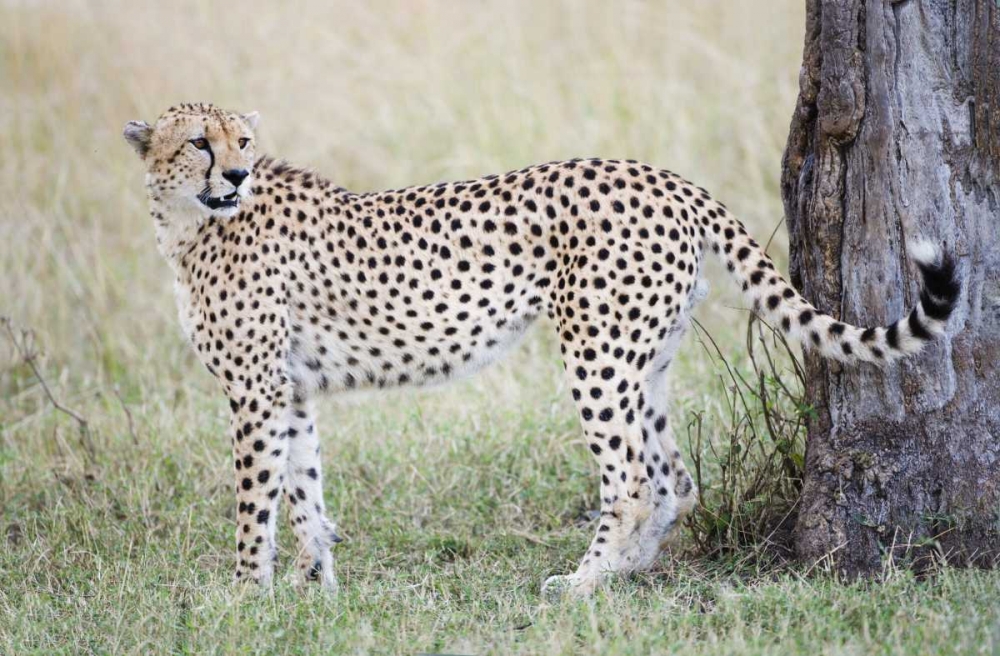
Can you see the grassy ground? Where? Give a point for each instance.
(456, 502)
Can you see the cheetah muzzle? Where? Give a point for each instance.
(289, 286)
(215, 202)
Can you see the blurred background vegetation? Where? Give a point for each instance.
(373, 95)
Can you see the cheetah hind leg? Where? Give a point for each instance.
(609, 396)
(315, 534)
(645, 489)
(676, 494)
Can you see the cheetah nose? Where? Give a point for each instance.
(236, 176)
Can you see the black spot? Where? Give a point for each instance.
(940, 281)
(892, 335)
(934, 308)
(917, 328)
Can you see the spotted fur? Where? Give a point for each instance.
(289, 286)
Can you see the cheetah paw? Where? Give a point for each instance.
(318, 571)
(571, 586)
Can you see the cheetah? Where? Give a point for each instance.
(289, 286)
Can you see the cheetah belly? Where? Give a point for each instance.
(321, 360)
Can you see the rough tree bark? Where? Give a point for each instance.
(896, 134)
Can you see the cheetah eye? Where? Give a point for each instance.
(200, 144)
(243, 142)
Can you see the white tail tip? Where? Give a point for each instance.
(924, 251)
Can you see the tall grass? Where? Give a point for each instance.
(374, 95)
(751, 475)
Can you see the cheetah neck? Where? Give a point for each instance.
(177, 229)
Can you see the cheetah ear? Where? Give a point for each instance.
(138, 134)
(251, 119)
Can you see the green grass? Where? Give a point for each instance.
(456, 502)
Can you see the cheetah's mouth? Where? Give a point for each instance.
(220, 202)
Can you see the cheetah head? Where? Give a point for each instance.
(199, 158)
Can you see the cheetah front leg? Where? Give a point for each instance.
(259, 428)
(315, 535)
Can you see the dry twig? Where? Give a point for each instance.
(23, 342)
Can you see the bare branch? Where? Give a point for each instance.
(23, 342)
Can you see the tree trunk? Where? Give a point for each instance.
(896, 134)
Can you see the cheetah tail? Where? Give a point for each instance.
(778, 303)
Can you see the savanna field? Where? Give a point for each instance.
(116, 501)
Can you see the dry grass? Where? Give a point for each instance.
(457, 502)
(378, 97)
